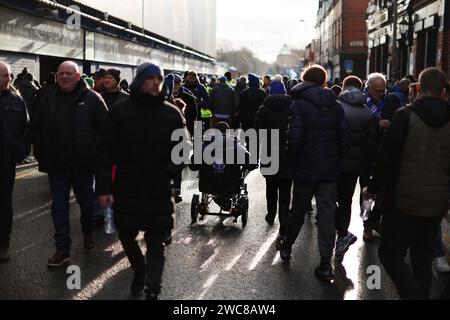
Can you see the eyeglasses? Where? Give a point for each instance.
(382, 91)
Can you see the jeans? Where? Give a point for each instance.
(7, 177)
(278, 194)
(400, 233)
(155, 255)
(344, 194)
(325, 194)
(61, 182)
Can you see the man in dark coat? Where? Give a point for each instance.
(136, 137)
(274, 115)
(13, 137)
(413, 168)
(362, 151)
(223, 103)
(113, 93)
(250, 101)
(65, 124)
(318, 138)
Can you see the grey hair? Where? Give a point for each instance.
(375, 76)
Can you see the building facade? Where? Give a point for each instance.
(341, 37)
(40, 34)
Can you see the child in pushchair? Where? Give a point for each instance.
(223, 183)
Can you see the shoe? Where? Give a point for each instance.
(378, 228)
(325, 272)
(285, 252)
(368, 234)
(29, 159)
(151, 296)
(99, 221)
(89, 242)
(270, 220)
(4, 254)
(58, 260)
(177, 197)
(440, 264)
(342, 244)
(138, 284)
(168, 238)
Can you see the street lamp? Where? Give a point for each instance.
(403, 26)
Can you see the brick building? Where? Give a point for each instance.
(342, 37)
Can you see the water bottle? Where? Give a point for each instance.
(110, 228)
(366, 208)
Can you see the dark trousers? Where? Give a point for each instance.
(61, 182)
(400, 233)
(344, 195)
(278, 194)
(439, 247)
(177, 179)
(7, 177)
(155, 255)
(325, 194)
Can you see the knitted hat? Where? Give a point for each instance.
(277, 88)
(113, 73)
(145, 71)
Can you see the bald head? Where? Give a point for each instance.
(68, 76)
(5, 76)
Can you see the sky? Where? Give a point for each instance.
(265, 25)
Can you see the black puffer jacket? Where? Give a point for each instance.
(113, 97)
(274, 114)
(249, 103)
(318, 135)
(14, 129)
(83, 120)
(136, 137)
(363, 128)
(223, 100)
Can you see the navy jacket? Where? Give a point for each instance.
(318, 134)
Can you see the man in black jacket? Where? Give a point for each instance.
(136, 137)
(13, 136)
(413, 168)
(318, 138)
(113, 93)
(65, 124)
(250, 101)
(362, 151)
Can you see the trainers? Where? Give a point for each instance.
(58, 260)
(285, 252)
(138, 284)
(343, 243)
(270, 220)
(325, 272)
(440, 264)
(89, 242)
(4, 255)
(151, 296)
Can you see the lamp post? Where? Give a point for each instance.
(394, 57)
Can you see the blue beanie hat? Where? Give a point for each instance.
(253, 79)
(223, 79)
(169, 84)
(277, 88)
(144, 71)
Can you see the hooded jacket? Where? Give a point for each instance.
(363, 130)
(251, 99)
(274, 115)
(223, 100)
(318, 135)
(136, 137)
(413, 163)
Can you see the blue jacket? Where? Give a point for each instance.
(318, 134)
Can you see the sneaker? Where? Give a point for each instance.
(177, 197)
(440, 264)
(270, 219)
(151, 296)
(138, 284)
(58, 260)
(325, 272)
(89, 242)
(285, 252)
(343, 243)
(4, 255)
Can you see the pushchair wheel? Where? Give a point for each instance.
(194, 205)
(244, 213)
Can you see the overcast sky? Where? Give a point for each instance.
(265, 25)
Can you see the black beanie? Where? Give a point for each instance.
(113, 73)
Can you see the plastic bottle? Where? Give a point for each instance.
(366, 208)
(110, 227)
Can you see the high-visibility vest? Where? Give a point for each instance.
(206, 113)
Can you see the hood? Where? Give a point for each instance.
(353, 96)
(435, 112)
(320, 97)
(253, 81)
(278, 102)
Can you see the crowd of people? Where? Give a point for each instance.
(88, 134)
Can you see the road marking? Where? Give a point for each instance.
(263, 250)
